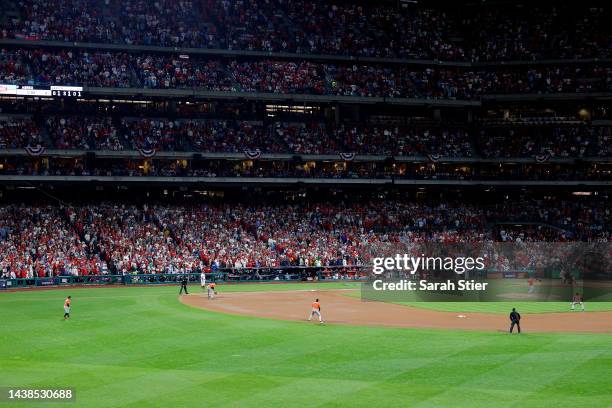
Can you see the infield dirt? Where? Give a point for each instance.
(338, 308)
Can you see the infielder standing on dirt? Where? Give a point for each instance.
(316, 310)
(211, 290)
(577, 300)
(531, 284)
(515, 319)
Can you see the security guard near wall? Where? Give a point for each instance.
(183, 285)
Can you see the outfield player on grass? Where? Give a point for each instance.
(67, 303)
(316, 310)
(577, 300)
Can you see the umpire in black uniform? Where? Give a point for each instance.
(515, 319)
(184, 285)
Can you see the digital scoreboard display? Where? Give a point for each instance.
(42, 90)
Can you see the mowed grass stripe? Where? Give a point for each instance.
(520, 373)
(418, 372)
(305, 392)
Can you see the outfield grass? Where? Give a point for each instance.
(140, 347)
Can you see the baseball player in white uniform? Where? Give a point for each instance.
(577, 301)
(203, 280)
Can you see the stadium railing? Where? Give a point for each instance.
(235, 275)
(245, 275)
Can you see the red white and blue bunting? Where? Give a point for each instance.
(147, 152)
(252, 154)
(347, 156)
(35, 150)
(542, 158)
(434, 157)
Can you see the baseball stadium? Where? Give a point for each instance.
(305, 203)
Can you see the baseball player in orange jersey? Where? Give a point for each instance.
(577, 300)
(67, 303)
(211, 290)
(316, 310)
(531, 283)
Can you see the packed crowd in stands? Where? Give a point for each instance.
(38, 242)
(559, 141)
(546, 141)
(531, 32)
(404, 82)
(13, 67)
(313, 138)
(119, 238)
(164, 22)
(80, 68)
(19, 132)
(84, 133)
(231, 136)
(106, 69)
(199, 135)
(510, 233)
(405, 141)
(154, 71)
(478, 33)
(307, 138)
(546, 80)
(150, 133)
(279, 77)
(125, 237)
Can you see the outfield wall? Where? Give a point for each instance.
(242, 275)
(234, 275)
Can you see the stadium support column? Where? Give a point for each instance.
(332, 113)
(351, 112)
(172, 107)
(90, 161)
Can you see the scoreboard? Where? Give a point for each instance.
(55, 91)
